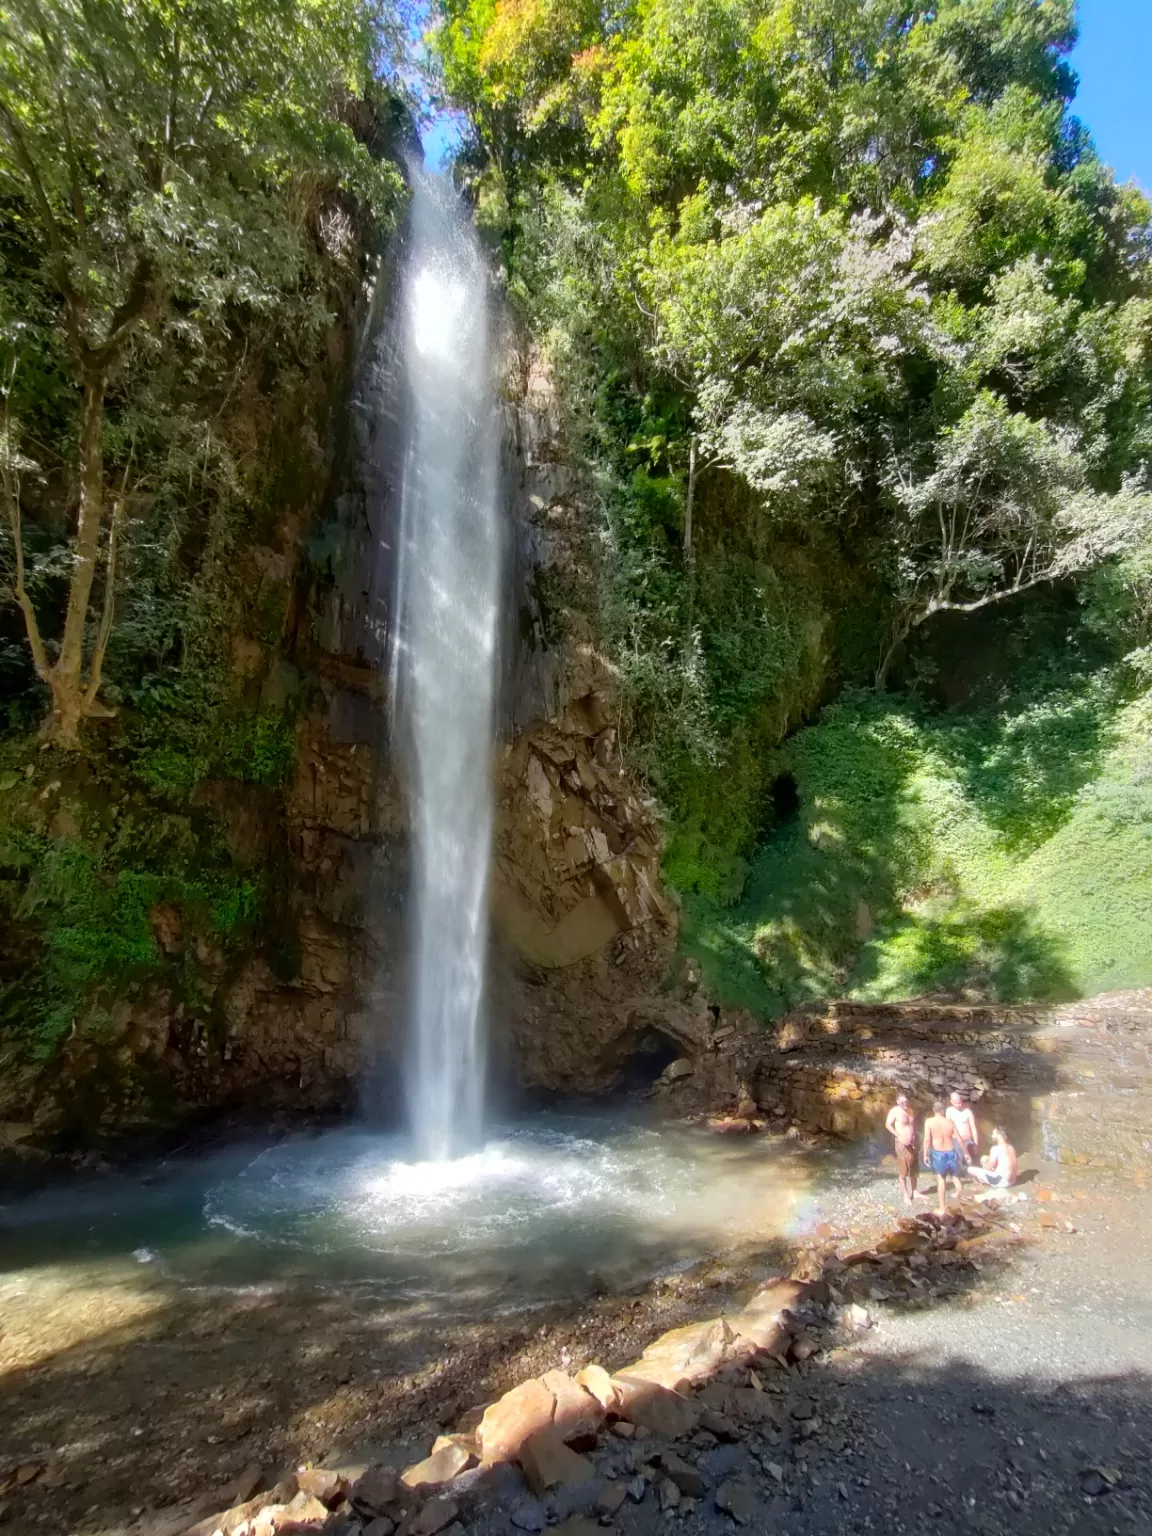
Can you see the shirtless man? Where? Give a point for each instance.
(942, 1152)
(964, 1120)
(901, 1126)
(998, 1169)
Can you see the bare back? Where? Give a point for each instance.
(939, 1134)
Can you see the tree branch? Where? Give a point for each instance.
(173, 99)
(950, 605)
(73, 304)
(96, 666)
(28, 165)
(130, 313)
(11, 491)
(689, 499)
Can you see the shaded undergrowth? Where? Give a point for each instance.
(1004, 854)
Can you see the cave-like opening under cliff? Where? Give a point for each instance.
(783, 798)
(652, 1053)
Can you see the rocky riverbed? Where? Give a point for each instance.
(991, 1376)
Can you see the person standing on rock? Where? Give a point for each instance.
(942, 1153)
(961, 1116)
(901, 1126)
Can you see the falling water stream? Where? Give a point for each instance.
(444, 658)
(454, 1216)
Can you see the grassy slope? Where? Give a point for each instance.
(1006, 854)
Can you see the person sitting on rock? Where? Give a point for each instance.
(998, 1169)
(961, 1116)
(942, 1152)
(901, 1126)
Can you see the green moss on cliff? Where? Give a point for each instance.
(1003, 854)
(108, 890)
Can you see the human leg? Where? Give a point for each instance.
(992, 1180)
(905, 1168)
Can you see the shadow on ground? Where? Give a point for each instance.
(176, 1400)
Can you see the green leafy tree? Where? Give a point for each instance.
(156, 163)
(851, 281)
(1005, 507)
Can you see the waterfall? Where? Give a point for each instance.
(443, 659)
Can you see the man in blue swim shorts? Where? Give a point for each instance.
(943, 1153)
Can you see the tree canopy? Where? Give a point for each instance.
(854, 260)
(160, 163)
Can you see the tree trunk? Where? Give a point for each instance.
(690, 497)
(901, 630)
(69, 702)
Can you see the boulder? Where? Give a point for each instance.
(304, 1507)
(225, 1521)
(578, 1414)
(737, 1499)
(762, 1320)
(466, 1442)
(595, 1379)
(549, 1463)
(652, 1406)
(434, 1516)
(510, 1421)
(440, 1467)
(375, 1491)
(329, 1487)
(690, 1353)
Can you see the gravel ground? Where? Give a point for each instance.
(1021, 1404)
(1013, 1399)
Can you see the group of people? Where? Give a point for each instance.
(950, 1147)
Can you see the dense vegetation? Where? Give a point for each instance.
(854, 332)
(193, 196)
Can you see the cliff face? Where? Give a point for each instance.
(299, 994)
(583, 930)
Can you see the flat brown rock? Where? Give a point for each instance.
(305, 1507)
(443, 1465)
(690, 1353)
(329, 1487)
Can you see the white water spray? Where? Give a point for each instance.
(444, 659)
